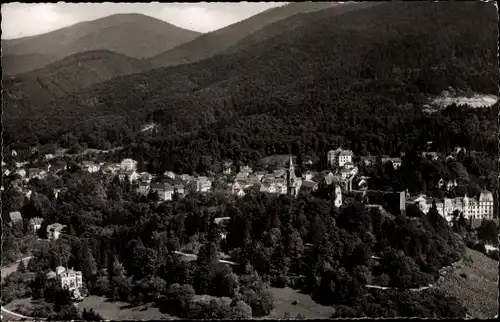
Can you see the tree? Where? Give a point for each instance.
(207, 254)
(488, 231)
(21, 268)
(91, 315)
(88, 264)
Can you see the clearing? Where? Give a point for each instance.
(476, 101)
(121, 310)
(305, 305)
(475, 284)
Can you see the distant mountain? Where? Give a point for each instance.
(133, 35)
(66, 76)
(351, 75)
(212, 43)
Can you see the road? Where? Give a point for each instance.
(8, 315)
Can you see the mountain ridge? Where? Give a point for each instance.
(133, 35)
(212, 43)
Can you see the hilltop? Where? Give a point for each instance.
(133, 35)
(64, 77)
(212, 43)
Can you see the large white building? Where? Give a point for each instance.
(471, 208)
(69, 279)
(339, 157)
(128, 165)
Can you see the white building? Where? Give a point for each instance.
(70, 279)
(128, 165)
(338, 196)
(143, 188)
(396, 162)
(54, 231)
(471, 208)
(169, 174)
(339, 157)
(35, 224)
(203, 184)
(90, 166)
(163, 190)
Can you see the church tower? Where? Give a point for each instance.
(291, 179)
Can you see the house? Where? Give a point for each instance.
(203, 184)
(54, 230)
(6, 172)
(20, 164)
(430, 155)
(348, 172)
(145, 177)
(143, 188)
(246, 168)
(179, 189)
(441, 183)
(338, 196)
(308, 175)
(28, 193)
(56, 192)
(451, 184)
(237, 190)
(133, 176)
(459, 149)
(35, 224)
(49, 156)
(369, 160)
(226, 167)
(363, 183)
(163, 190)
(308, 186)
(58, 167)
(260, 174)
(128, 165)
(69, 279)
(242, 175)
(36, 173)
(13, 153)
(339, 157)
(170, 174)
(186, 177)
(15, 217)
(396, 162)
(90, 166)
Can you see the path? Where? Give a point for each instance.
(195, 257)
(442, 272)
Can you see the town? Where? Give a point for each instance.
(343, 174)
(249, 160)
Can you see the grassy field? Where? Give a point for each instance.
(305, 305)
(475, 283)
(121, 310)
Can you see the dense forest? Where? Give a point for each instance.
(124, 245)
(362, 91)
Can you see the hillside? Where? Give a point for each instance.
(212, 43)
(297, 22)
(133, 35)
(64, 77)
(316, 86)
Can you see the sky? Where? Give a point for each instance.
(26, 19)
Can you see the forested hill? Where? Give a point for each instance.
(360, 77)
(133, 35)
(63, 77)
(297, 21)
(212, 43)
